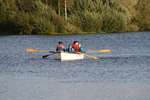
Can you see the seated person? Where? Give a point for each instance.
(76, 46)
(60, 46)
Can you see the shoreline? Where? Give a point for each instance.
(73, 34)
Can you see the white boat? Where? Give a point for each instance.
(66, 56)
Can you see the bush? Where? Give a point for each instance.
(87, 21)
(132, 28)
(143, 15)
(70, 28)
(114, 22)
(91, 22)
(8, 12)
(58, 22)
(42, 26)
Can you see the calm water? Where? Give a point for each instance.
(129, 61)
(123, 74)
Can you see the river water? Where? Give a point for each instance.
(123, 74)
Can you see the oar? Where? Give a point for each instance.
(32, 50)
(103, 50)
(52, 53)
(45, 56)
(91, 56)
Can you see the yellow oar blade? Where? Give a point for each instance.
(31, 50)
(104, 51)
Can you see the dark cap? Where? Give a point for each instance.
(60, 42)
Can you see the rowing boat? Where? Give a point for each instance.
(66, 56)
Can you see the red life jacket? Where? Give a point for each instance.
(76, 47)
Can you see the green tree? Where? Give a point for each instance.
(143, 14)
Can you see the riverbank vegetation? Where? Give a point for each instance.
(73, 16)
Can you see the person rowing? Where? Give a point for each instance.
(76, 47)
(60, 47)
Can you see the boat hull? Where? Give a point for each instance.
(65, 56)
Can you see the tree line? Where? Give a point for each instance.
(73, 16)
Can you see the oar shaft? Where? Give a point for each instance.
(91, 56)
(102, 50)
(31, 50)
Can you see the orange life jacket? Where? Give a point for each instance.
(76, 47)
